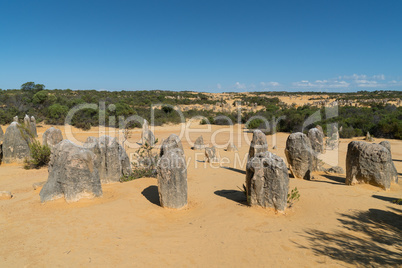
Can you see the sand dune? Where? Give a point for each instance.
(332, 224)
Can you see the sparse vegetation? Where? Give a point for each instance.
(40, 155)
(293, 197)
(145, 165)
(398, 201)
(51, 106)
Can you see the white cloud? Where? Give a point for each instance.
(354, 76)
(272, 84)
(239, 85)
(379, 77)
(341, 83)
(219, 86)
(321, 84)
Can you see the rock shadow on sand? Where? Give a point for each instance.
(386, 198)
(338, 179)
(367, 238)
(151, 193)
(234, 195)
(235, 170)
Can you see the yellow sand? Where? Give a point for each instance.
(128, 228)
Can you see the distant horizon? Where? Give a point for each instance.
(226, 92)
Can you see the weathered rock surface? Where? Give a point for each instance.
(368, 137)
(72, 174)
(210, 153)
(111, 159)
(267, 181)
(4, 195)
(199, 143)
(38, 185)
(172, 143)
(298, 152)
(369, 163)
(258, 144)
(317, 144)
(387, 145)
(148, 137)
(15, 118)
(317, 140)
(231, 147)
(27, 122)
(335, 169)
(172, 180)
(16, 144)
(1, 135)
(145, 129)
(333, 140)
(33, 127)
(52, 136)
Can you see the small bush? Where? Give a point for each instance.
(145, 166)
(293, 197)
(255, 123)
(397, 201)
(40, 155)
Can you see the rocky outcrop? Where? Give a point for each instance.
(145, 129)
(72, 174)
(172, 179)
(27, 122)
(258, 144)
(335, 169)
(38, 185)
(16, 144)
(51, 137)
(369, 163)
(1, 135)
(333, 140)
(267, 181)
(33, 127)
(387, 145)
(172, 143)
(15, 118)
(231, 147)
(148, 138)
(298, 152)
(199, 143)
(317, 140)
(210, 154)
(368, 137)
(111, 159)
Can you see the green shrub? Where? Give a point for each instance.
(255, 123)
(145, 166)
(40, 155)
(293, 197)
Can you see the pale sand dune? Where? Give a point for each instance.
(127, 227)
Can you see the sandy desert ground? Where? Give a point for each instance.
(333, 225)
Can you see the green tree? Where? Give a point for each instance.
(57, 111)
(28, 86)
(39, 97)
(39, 87)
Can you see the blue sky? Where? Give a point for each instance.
(211, 46)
